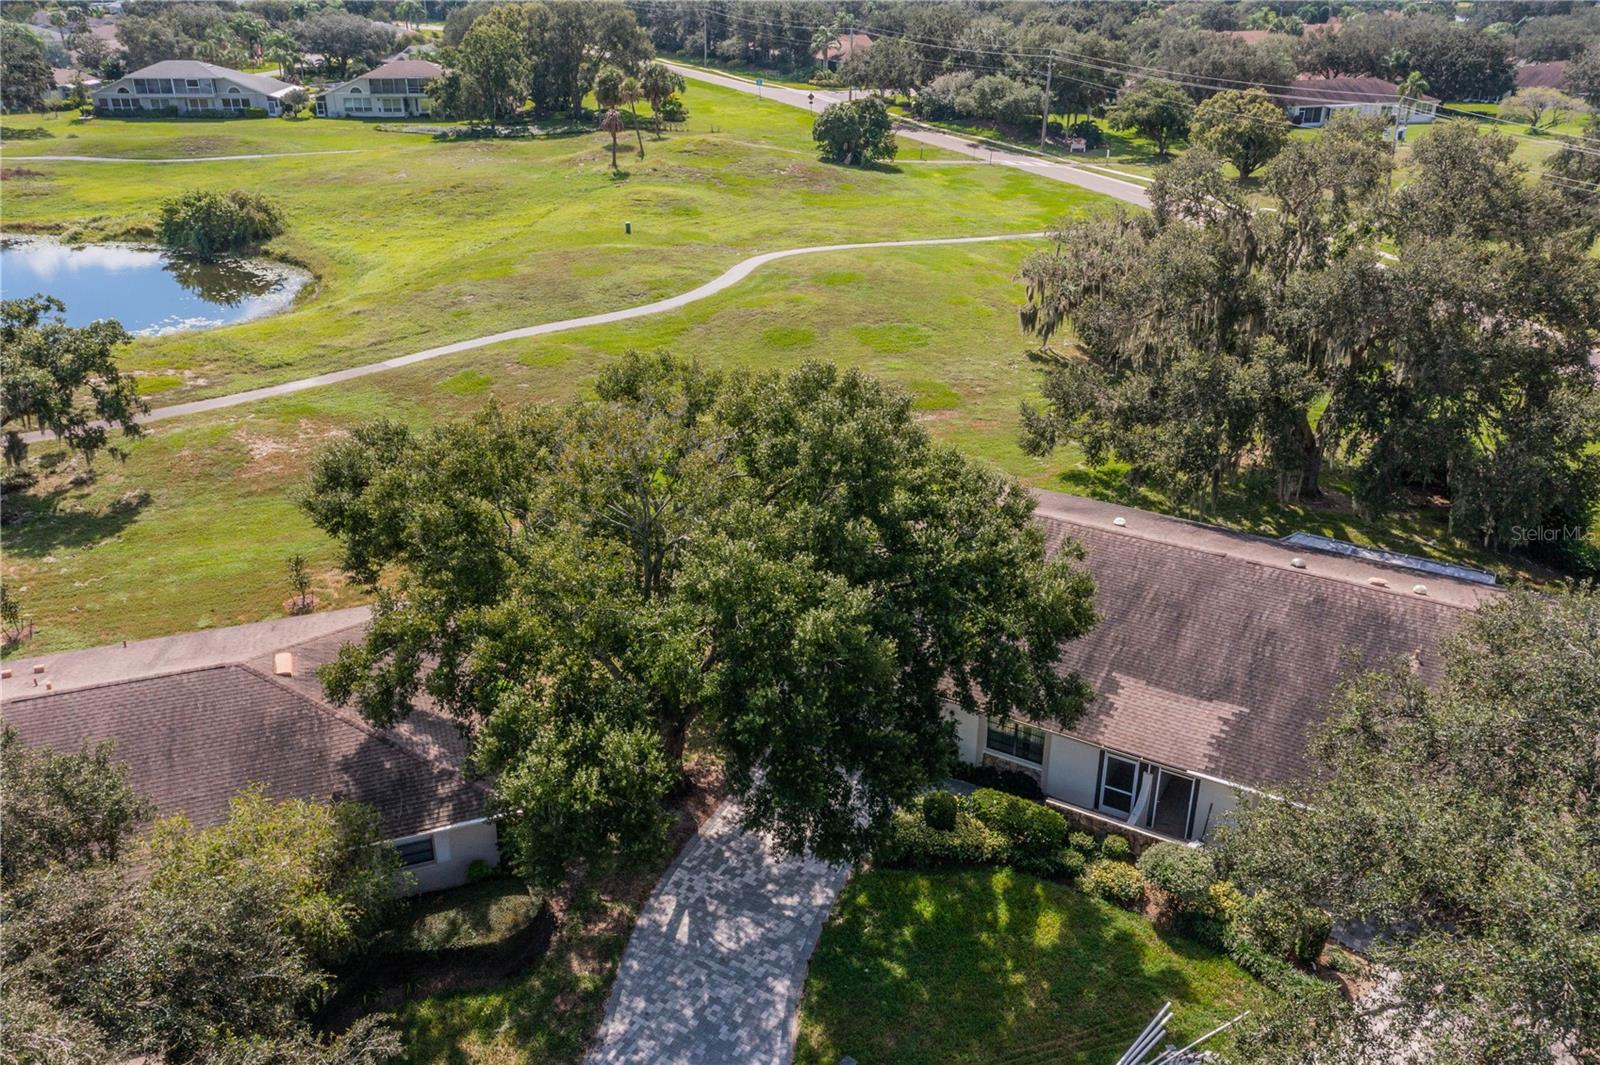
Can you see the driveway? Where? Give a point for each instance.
(1126, 191)
(718, 959)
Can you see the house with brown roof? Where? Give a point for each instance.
(842, 49)
(1215, 659)
(1552, 75)
(199, 717)
(396, 89)
(189, 86)
(1311, 101)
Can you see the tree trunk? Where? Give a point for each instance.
(637, 131)
(613, 153)
(1310, 463)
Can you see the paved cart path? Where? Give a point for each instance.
(714, 970)
(730, 277)
(1071, 173)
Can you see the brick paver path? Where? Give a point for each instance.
(717, 961)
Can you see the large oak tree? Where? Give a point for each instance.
(784, 565)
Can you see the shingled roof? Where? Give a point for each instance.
(194, 737)
(1215, 654)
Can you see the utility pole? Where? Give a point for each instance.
(705, 41)
(1044, 112)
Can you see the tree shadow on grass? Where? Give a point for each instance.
(986, 965)
(40, 522)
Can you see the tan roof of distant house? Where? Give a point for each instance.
(1309, 91)
(199, 717)
(1552, 75)
(65, 76)
(1215, 655)
(406, 68)
(844, 46)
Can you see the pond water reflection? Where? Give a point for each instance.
(148, 290)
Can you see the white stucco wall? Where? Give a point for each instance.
(1214, 802)
(1071, 768)
(969, 734)
(455, 848)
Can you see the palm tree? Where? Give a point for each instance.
(283, 50)
(410, 12)
(633, 94)
(1412, 89)
(659, 81)
(611, 122)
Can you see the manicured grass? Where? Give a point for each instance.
(990, 965)
(416, 242)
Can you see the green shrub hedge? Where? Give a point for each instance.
(1013, 781)
(214, 223)
(939, 810)
(1184, 875)
(1082, 842)
(910, 843)
(1033, 829)
(1116, 882)
(1116, 848)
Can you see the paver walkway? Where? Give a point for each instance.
(717, 961)
(1071, 173)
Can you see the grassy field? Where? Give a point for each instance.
(993, 966)
(196, 528)
(416, 242)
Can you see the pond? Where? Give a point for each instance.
(148, 290)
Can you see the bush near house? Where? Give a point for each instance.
(1116, 882)
(939, 810)
(1115, 848)
(1082, 842)
(1029, 827)
(910, 843)
(215, 223)
(1014, 781)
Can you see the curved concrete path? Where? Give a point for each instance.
(1070, 173)
(732, 276)
(713, 972)
(189, 159)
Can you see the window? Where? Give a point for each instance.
(392, 105)
(1119, 780)
(416, 851)
(1015, 739)
(358, 105)
(235, 103)
(414, 87)
(123, 103)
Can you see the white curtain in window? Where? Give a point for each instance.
(1142, 799)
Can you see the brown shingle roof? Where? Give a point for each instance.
(406, 68)
(1214, 655)
(193, 739)
(844, 46)
(1314, 91)
(1551, 75)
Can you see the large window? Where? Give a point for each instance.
(1015, 739)
(416, 852)
(1119, 781)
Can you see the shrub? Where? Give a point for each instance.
(1116, 882)
(854, 133)
(910, 844)
(1184, 875)
(1032, 829)
(1082, 842)
(213, 223)
(1071, 862)
(673, 110)
(1014, 781)
(1093, 136)
(1282, 928)
(1115, 848)
(939, 810)
(479, 870)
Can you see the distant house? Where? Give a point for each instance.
(838, 51)
(1551, 75)
(397, 88)
(64, 77)
(199, 717)
(1214, 661)
(1311, 101)
(190, 86)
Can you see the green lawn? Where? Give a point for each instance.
(993, 966)
(416, 242)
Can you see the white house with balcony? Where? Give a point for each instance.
(190, 86)
(396, 89)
